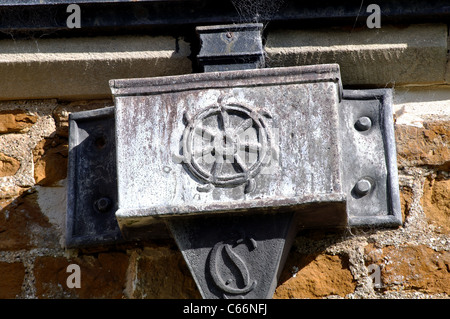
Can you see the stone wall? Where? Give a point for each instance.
(413, 260)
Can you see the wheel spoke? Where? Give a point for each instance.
(224, 122)
(244, 126)
(216, 168)
(205, 132)
(250, 147)
(204, 151)
(240, 163)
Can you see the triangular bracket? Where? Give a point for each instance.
(235, 256)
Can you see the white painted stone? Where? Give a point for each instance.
(414, 105)
(52, 202)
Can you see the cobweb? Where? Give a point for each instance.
(257, 11)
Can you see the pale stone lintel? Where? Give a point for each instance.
(388, 56)
(80, 68)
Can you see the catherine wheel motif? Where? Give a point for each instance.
(225, 146)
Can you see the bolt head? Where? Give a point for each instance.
(363, 123)
(103, 204)
(363, 187)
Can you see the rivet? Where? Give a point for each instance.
(363, 123)
(103, 204)
(363, 187)
(229, 35)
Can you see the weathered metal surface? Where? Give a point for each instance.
(235, 255)
(365, 155)
(231, 47)
(369, 158)
(253, 140)
(92, 190)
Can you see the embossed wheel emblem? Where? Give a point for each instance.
(225, 145)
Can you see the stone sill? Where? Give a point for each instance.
(80, 68)
(388, 56)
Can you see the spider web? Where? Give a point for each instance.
(257, 11)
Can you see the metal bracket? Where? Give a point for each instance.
(92, 198)
(352, 168)
(231, 47)
(367, 154)
(369, 158)
(232, 164)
